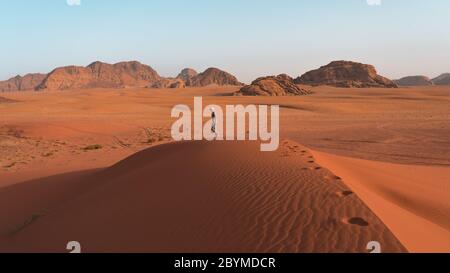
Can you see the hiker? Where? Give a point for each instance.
(213, 119)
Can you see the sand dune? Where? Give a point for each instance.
(47, 134)
(193, 197)
(413, 201)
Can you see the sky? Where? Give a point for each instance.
(248, 38)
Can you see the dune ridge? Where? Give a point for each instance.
(239, 200)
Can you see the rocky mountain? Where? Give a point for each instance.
(281, 85)
(345, 74)
(443, 79)
(119, 75)
(414, 81)
(213, 76)
(186, 75)
(19, 83)
(100, 75)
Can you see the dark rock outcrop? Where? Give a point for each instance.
(281, 85)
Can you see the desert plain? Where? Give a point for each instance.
(99, 166)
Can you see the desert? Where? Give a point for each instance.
(99, 165)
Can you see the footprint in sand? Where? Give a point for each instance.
(357, 221)
(344, 193)
(332, 177)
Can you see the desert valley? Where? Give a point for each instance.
(86, 154)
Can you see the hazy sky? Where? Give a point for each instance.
(249, 38)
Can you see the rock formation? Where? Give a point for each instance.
(190, 78)
(214, 76)
(414, 81)
(19, 83)
(168, 83)
(443, 79)
(345, 74)
(119, 75)
(186, 75)
(100, 75)
(281, 85)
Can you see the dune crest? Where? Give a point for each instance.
(240, 200)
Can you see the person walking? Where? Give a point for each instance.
(213, 119)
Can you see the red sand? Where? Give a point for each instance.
(44, 134)
(193, 197)
(413, 201)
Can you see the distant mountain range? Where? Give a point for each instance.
(188, 77)
(344, 74)
(119, 75)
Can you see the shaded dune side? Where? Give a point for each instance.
(202, 197)
(413, 201)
